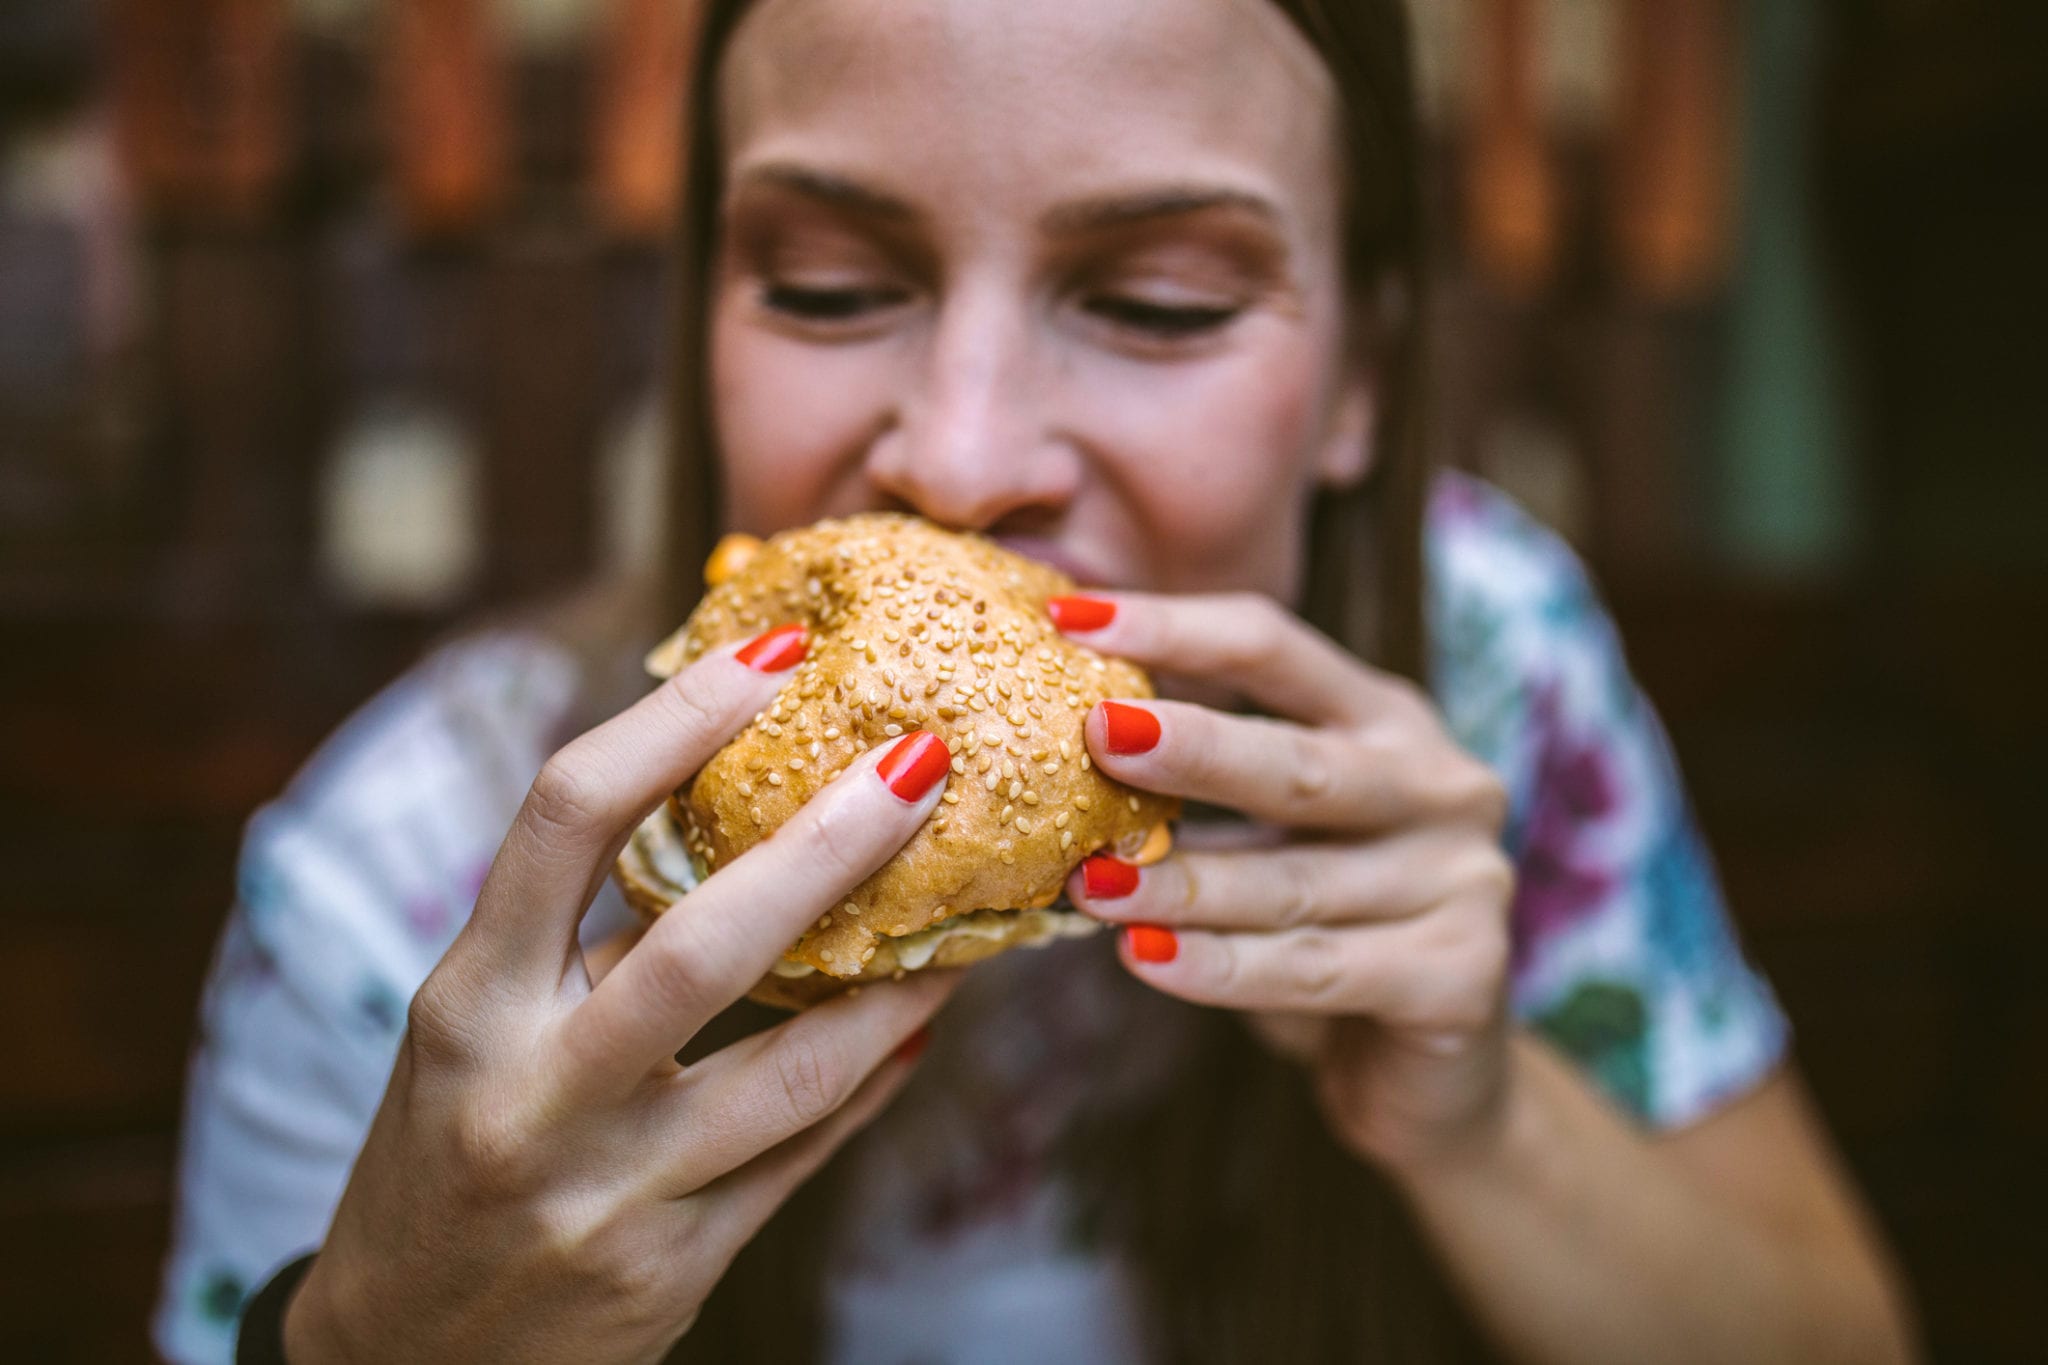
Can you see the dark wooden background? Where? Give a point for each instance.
(1866, 744)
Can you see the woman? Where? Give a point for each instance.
(1132, 288)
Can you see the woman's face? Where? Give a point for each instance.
(1065, 272)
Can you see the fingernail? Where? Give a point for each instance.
(1129, 729)
(1150, 943)
(778, 651)
(1080, 613)
(917, 763)
(912, 1048)
(1106, 879)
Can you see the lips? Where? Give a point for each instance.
(1055, 556)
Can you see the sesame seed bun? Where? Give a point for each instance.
(912, 627)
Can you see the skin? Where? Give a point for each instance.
(1065, 273)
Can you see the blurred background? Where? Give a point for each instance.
(324, 323)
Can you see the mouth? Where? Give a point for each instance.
(1056, 556)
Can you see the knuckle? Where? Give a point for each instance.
(677, 974)
(566, 797)
(808, 1086)
(495, 1149)
(434, 1031)
(689, 710)
(1309, 773)
(1256, 635)
(1298, 896)
(1493, 875)
(1314, 969)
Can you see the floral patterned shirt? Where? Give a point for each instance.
(353, 883)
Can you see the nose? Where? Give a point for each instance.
(974, 443)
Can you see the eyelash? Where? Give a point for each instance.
(1158, 321)
(827, 305)
(1170, 322)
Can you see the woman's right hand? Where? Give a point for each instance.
(542, 1181)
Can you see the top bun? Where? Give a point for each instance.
(912, 627)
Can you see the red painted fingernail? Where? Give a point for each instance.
(1150, 943)
(1106, 879)
(1080, 613)
(778, 651)
(912, 1048)
(917, 764)
(1129, 729)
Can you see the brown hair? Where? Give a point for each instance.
(1253, 1236)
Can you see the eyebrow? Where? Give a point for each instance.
(1081, 216)
(831, 189)
(1163, 201)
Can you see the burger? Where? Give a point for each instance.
(911, 627)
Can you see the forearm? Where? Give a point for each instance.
(1576, 1238)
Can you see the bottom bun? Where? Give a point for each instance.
(655, 873)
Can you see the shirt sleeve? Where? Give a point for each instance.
(1625, 956)
(350, 887)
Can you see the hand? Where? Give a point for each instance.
(1373, 937)
(542, 1180)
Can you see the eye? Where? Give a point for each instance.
(1165, 321)
(814, 304)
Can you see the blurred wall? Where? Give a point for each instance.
(1741, 296)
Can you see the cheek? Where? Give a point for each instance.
(791, 421)
(1220, 473)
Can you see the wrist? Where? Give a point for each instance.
(1498, 1142)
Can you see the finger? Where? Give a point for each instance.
(1284, 773)
(599, 961)
(765, 1089)
(718, 941)
(732, 1210)
(1245, 642)
(1287, 888)
(591, 794)
(1443, 971)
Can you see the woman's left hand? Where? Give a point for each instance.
(1377, 927)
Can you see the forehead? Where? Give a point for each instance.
(1020, 100)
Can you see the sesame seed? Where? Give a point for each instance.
(775, 779)
(832, 732)
(984, 765)
(1004, 818)
(816, 748)
(1016, 789)
(1007, 859)
(826, 955)
(993, 779)
(1066, 750)
(1030, 798)
(1023, 825)
(1066, 839)
(774, 730)
(747, 791)
(1060, 821)
(756, 815)
(1134, 804)
(898, 712)
(892, 730)
(951, 798)
(1050, 768)
(1083, 803)
(1086, 763)
(796, 765)
(959, 766)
